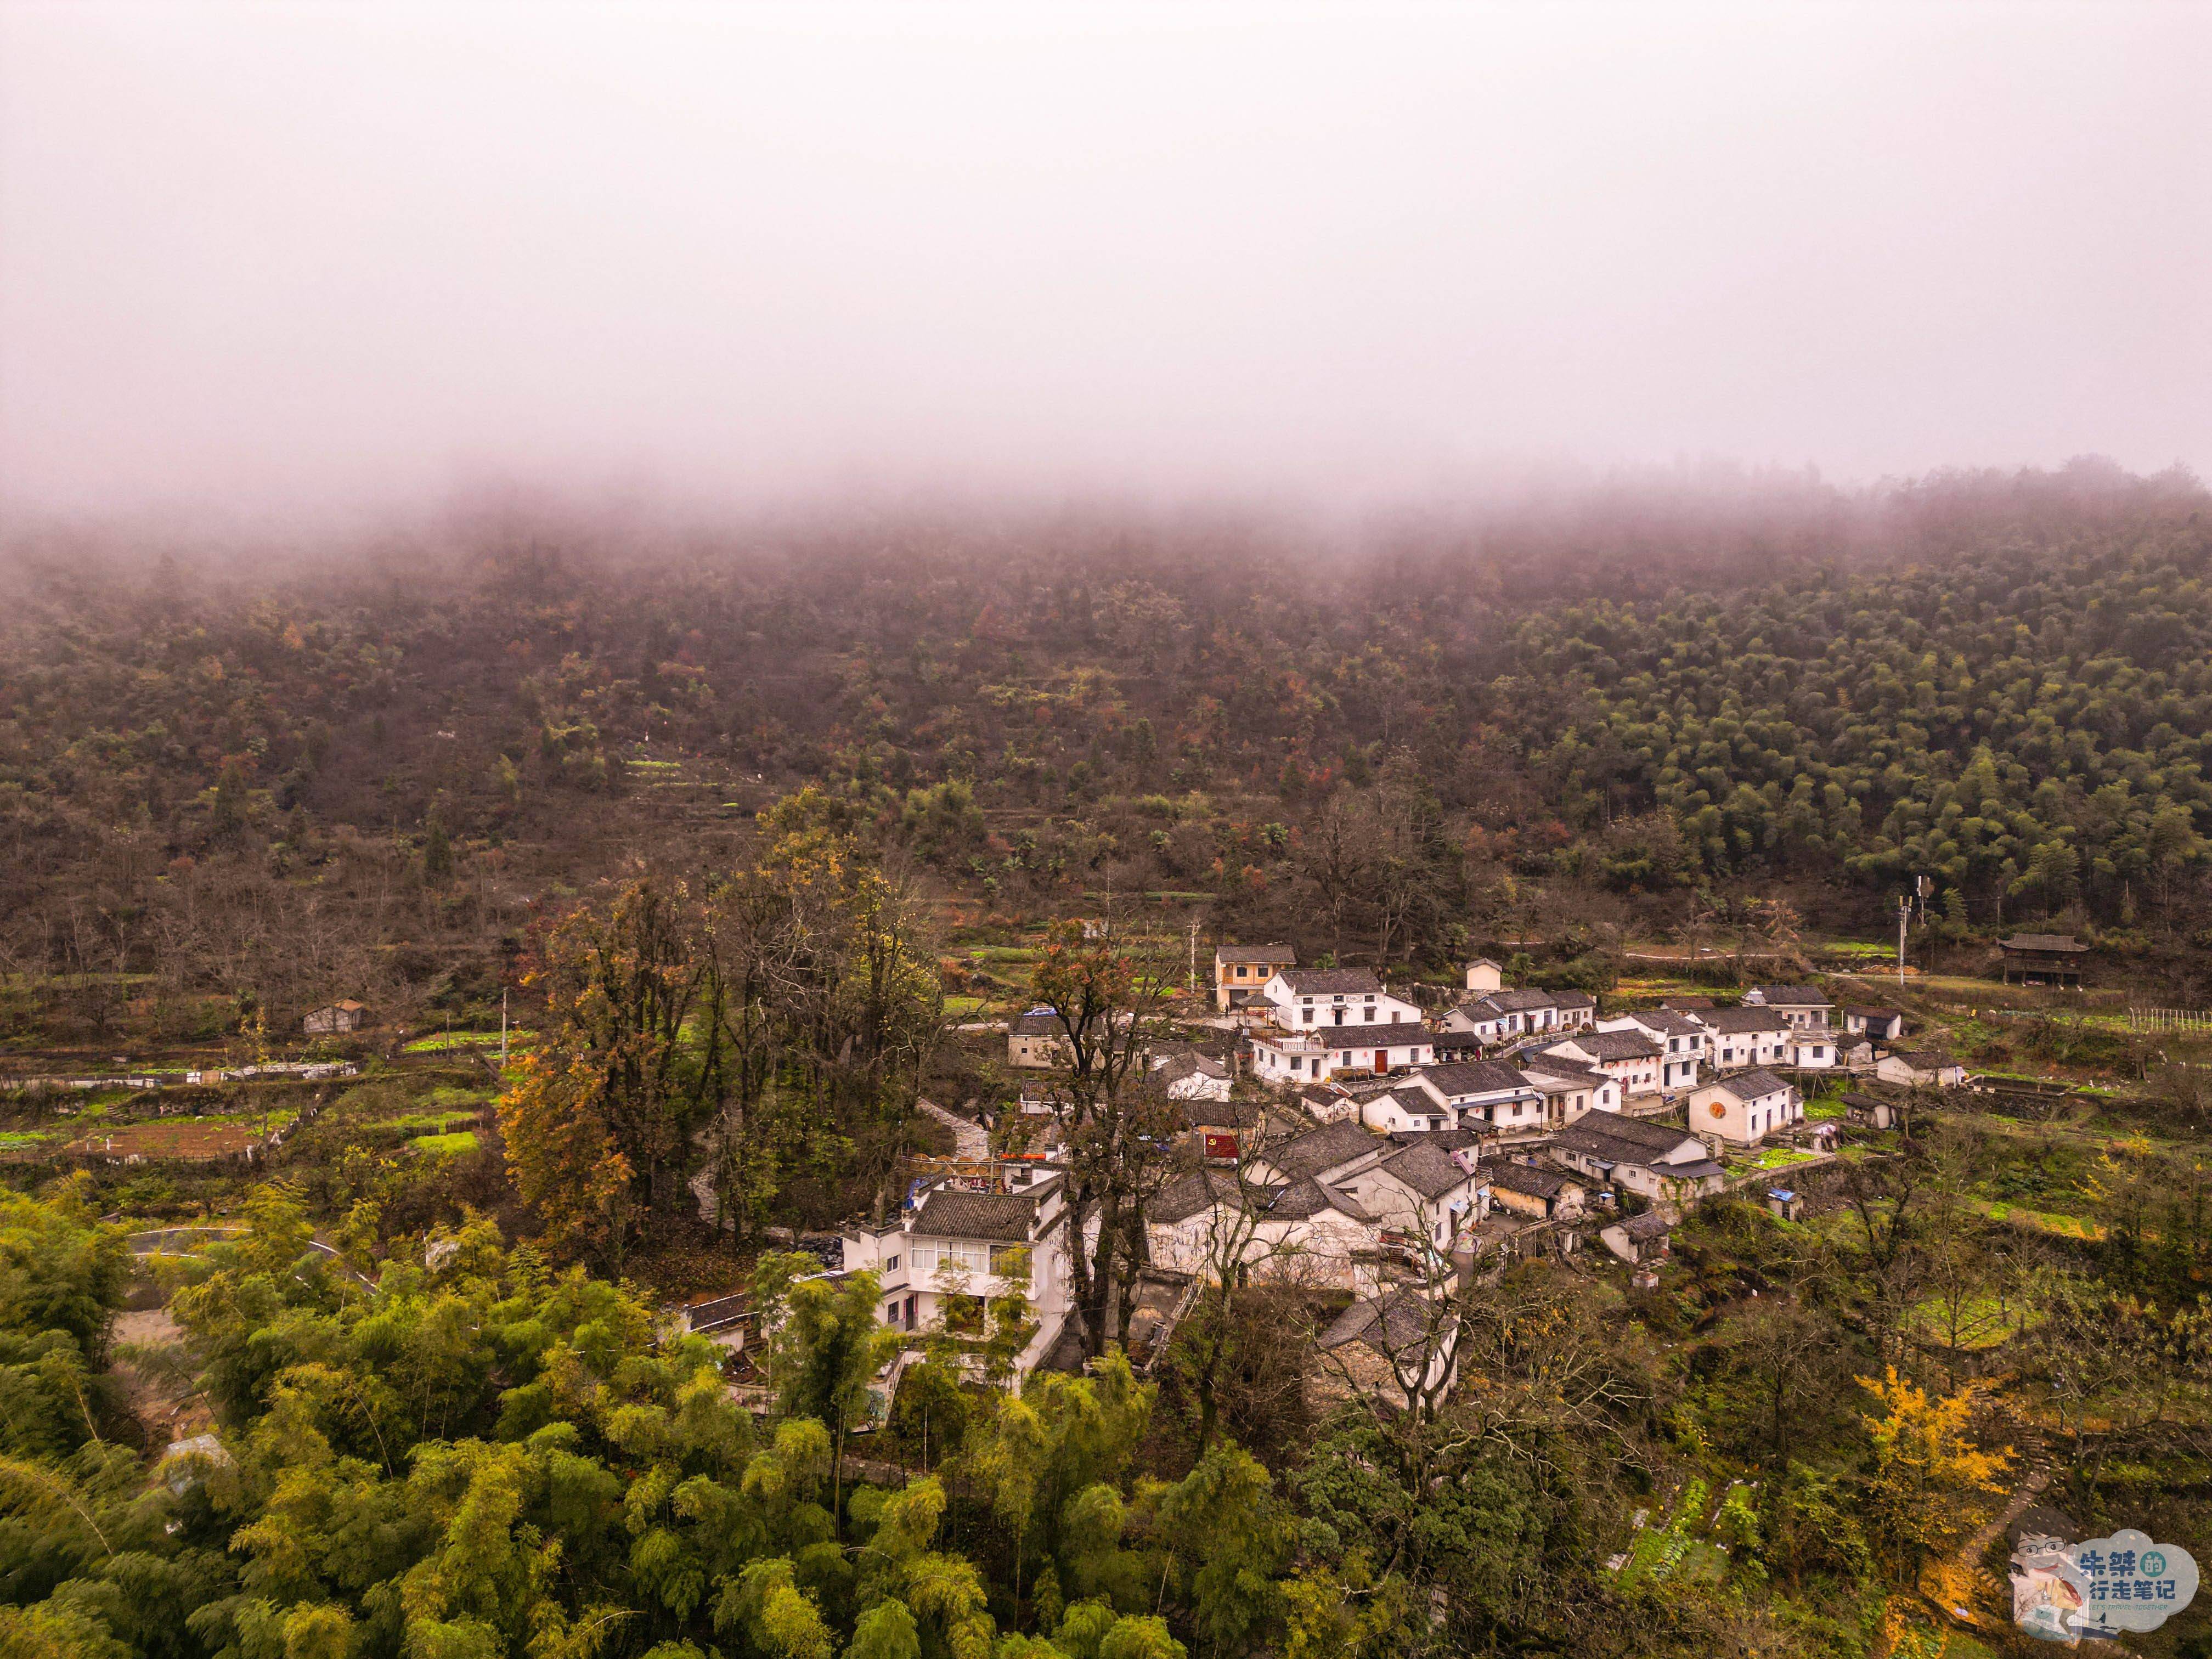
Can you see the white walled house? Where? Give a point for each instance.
(1314, 1056)
(957, 1250)
(1816, 1049)
(1920, 1067)
(1569, 1091)
(1629, 1058)
(1310, 999)
(1406, 1108)
(1484, 974)
(1484, 1092)
(1681, 1042)
(1883, 1024)
(1303, 1232)
(1191, 1076)
(1501, 1016)
(1802, 1006)
(1745, 1106)
(1655, 1160)
(1421, 1191)
(1744, 1037)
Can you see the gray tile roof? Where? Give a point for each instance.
(1475, 1076)
(1751, 1085)
(1397, 1035)
(1332, 981)
(1624, 1139)
(2060, 942)
(1264, 955)
(947, 1214)
(1400, 1321)
(1036, 1024)
(1526, 1178)
(1427, 1169)
(1191, 1194)
(1305, 1198)
(1611, 1045)
(1670, 1021)
(1743, 1022)
(1329, 1147)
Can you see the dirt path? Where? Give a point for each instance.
(2036, 1461)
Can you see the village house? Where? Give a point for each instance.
(1883, 1024)
(1920, 1068)
(957, 1250)
(1466, 1145)
(1526, 1190)
(1815, 1048)
(1629, 1058)
(1484, 974)
(1801, 1005)
(1638, 1240)
(2043, 959)
(1038, 1040)
(1652, 1160)
(335, 1018)
(1680, 1038)
(1569, 1089)
(1241, 972)
(1402, 1107)
(1303, 998)
(1325, 1103)
(1866, 1111)
(1190, 1075)
(1420, 1191)
(1328, 1153)
(1502, 1016)
(1745, 1106)
(1303, 1232)
(1484, 1091)
(1398, 1348)
(1743, 1037)
(1326, 1051)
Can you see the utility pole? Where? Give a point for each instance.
(1903, 914)
(1192, 985)
(503, 1032)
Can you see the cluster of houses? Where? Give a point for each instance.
(1394, 1142)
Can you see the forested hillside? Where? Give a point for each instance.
(300, 775)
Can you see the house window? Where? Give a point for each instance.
(951, 1256)
(891, 1264)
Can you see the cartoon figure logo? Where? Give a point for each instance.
(2063, 1592)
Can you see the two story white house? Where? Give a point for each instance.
(1569, 1089)
(1743, 1037)
(1629, 1058)
(1285, 1057)
(1504, 1016)
(1309, 998)
(1801, 1005)
(1680, 1038)
(1744, 1108)
(956, 1250)
(1484, 1093)
(1420, 1191)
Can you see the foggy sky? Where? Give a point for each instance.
(262, 257)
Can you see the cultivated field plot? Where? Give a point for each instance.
(200, 1138)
